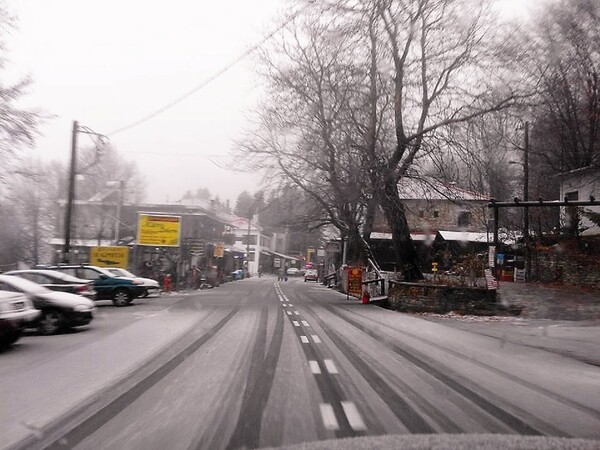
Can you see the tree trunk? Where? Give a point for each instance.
(404, 250)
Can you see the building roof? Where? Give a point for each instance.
(430, 189)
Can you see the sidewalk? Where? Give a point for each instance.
(554, 302)
(557, 319)
(35, 400)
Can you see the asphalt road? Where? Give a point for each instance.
(273, 363)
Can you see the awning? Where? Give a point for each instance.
(413, 236)
(82, 242)
(281, 255)
(467, 236)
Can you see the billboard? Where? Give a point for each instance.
(109, 256)
(159, 230)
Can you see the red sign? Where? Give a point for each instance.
(354, 281)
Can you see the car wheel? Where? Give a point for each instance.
(10, 338)
(121, 297)
(51, 322)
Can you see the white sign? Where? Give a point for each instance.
(492, 256)
(276, 263)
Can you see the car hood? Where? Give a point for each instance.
(60, 299)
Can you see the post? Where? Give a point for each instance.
(119, 208)
(248, 244)
(70, 196)
(526, 198)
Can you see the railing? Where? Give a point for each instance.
(327, 279)
(375, 288)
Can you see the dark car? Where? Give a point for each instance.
(150, 286)
(16, 313)
(58, 281)
(108, 287)
(59, 309)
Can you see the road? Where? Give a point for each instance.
(270, 364)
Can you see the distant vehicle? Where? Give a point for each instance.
(293, 271)
(150, 286)
(57, 281)
(16, 314)
(59, 309)
(237, 274)
(311, 275)
(120, 290)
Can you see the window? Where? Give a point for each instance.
(436, 214)
(89, 274)
(464, 218)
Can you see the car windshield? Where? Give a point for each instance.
(328, 223)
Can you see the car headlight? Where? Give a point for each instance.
(82, 308)
(138, 282)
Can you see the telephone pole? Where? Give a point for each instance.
(526, 198)
(70, 195)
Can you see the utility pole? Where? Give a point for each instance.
(248, 243)
(526, 198)
(70, 195)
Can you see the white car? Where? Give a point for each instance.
(293, 272)
(148, 284)
(16, 313)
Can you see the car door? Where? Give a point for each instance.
(103, 285)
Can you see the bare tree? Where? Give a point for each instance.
(17, 125)
(567, 61)
(304, 132)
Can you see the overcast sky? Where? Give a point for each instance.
(109, 63)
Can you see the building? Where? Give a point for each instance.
(580, 184)
(440, 217)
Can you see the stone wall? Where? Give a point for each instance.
(573, 262)
(420, 297)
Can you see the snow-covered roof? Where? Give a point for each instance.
(430, 189)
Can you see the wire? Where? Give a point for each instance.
(211, 78)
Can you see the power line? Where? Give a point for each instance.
(211, 78)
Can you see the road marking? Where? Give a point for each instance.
(316, 338)
(289, 313)
(291, 304)
(314, 367)
(330, 366)
(328, 416)
(297, 313)
(296, 323)
(304, 339)
(354, 418)
(284, 305)
(305, 323)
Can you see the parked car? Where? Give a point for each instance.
(59, 309)
(150, 286)
(293, 271)
(16, 313)
(311, 275)
(120, 290)
(58, 281)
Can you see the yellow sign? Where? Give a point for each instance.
(109, 256)
(159, 231)
(219, 250)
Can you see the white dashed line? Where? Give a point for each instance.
(289, 313)
(297, 313)
(328, 416)
(314, 367)
(354, 418)
(316, 338)
(305, 323)
(330, 366)
(296, 323)
(291, 304)
(304, 339)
